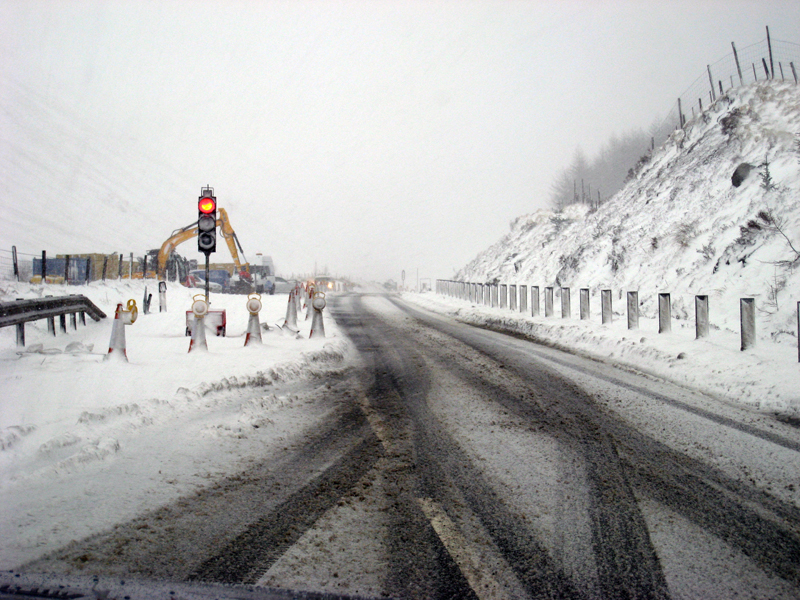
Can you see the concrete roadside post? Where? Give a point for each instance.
(503, 295)
(566, 307)
(548, 302)
(495, 295)
(523, 299)
(701, 316)
(512, 297)
(605, 304)
(584, 300)
(664, 313)
(534, 300)
(747, 317)
(633, 310)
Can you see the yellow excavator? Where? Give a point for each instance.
(181, 235)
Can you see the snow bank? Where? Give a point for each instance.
(85, 442)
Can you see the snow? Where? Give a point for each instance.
(766, 377)
(86, 443)
(679, 227)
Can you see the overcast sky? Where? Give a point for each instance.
(369, 137)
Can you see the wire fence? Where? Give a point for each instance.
(83, 268)
(766, 59)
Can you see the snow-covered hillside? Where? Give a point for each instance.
(681, 226)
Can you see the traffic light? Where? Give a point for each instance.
(207, 222)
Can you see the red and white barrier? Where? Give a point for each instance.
(291, 314)
(200, 310)
(253, 325)
(317, 325)
(117, 347)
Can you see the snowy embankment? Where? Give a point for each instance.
(681, 227)
(86, 443)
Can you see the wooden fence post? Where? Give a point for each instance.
(769, 47)
(738, 67)
(711, 82)
(16, 265)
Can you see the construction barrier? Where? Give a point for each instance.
(199, 310)
(117, 346)
(253, 325)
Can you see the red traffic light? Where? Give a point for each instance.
(207, 205)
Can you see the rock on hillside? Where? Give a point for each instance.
(680, 225)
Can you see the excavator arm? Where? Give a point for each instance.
(229, 234)
(181, 235)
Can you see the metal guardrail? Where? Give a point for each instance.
(19, 312)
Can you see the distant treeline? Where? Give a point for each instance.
(594, 181)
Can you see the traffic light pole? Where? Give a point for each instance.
(208, 287)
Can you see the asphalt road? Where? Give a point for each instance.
(456, 462)
(549, 468)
